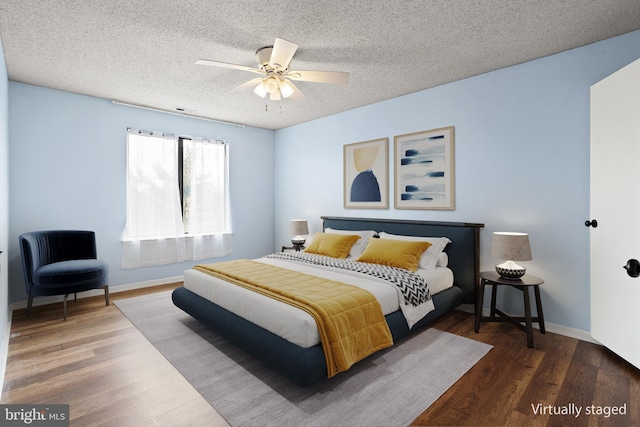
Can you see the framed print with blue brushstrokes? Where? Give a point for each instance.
(424, 169)
(366, 174)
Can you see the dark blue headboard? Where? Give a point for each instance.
(464, 251)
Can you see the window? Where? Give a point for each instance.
(177, 199)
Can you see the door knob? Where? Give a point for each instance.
(593, 223)
(633, 268)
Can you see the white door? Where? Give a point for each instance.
(615, 204)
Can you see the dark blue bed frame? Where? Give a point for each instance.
(306, 366)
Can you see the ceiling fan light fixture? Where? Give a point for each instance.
(260, 90)
(275, 95)
(271, 84)
(285, 89)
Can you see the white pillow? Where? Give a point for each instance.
(360, 245)
(443, 260)
(430, 257)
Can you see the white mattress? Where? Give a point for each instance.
(293, 324)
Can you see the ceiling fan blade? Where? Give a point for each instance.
(227, 65)
(246, 85)
(283, 51)
(334, 77)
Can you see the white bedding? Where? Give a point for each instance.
(296, 325)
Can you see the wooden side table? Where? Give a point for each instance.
(523, 284)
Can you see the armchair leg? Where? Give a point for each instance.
(65, 306)
(106, 294)
(29, 304)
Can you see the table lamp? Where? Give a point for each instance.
(297, 228)
(510, 246)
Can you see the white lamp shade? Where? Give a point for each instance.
(260, 90)
(511, 246)
(285, 89)
(298, 227)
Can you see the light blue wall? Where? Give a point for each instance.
(4, 202)
(521, 163)
(67, 170)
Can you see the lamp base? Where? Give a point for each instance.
(298, 243)
(510, 270)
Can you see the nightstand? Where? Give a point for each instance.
(523, 284)
(292, 248)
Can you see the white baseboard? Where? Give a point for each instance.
(551, 327)
(98, 292)
(578, 334)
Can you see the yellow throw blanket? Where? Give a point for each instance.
(350, 319)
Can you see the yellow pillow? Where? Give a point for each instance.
(333, 245)
(395, 253)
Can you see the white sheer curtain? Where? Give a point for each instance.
(154, 217)
(207, 216)
(155, 229)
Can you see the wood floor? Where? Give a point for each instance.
(101, 365)
(512, 381)
(110, 375)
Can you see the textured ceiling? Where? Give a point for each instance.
(143, 51)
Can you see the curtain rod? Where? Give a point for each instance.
(177, 113)
(171, 136)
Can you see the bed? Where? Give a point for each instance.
(306, 364)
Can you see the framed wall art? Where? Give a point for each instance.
(366, 174)
(424, 169)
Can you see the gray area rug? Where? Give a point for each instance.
(390, 388)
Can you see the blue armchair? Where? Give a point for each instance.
(61, 263)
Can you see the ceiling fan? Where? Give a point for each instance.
(276, 78)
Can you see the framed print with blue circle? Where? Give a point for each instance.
(366, 174)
